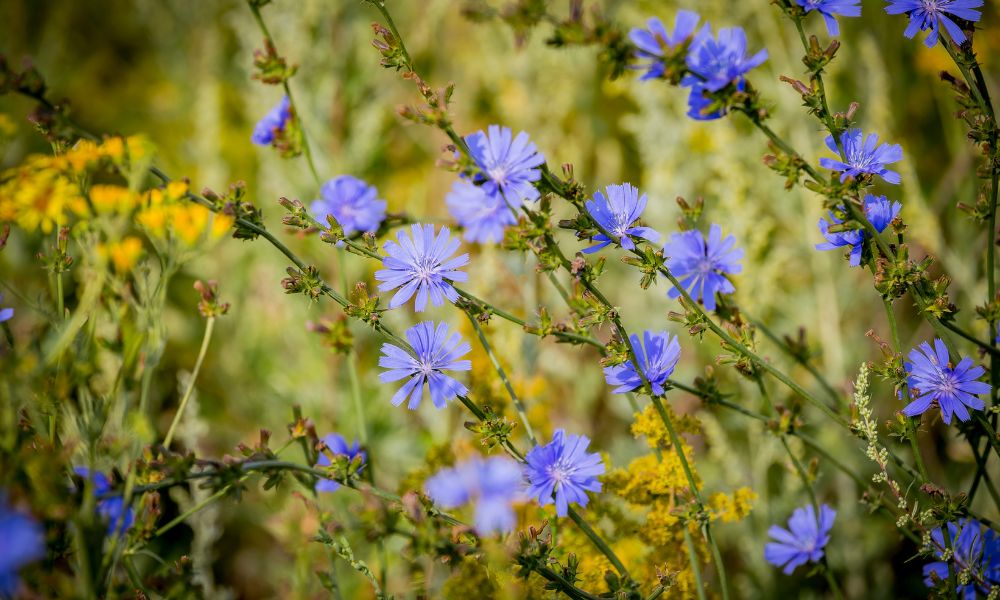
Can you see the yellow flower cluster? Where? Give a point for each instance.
(44, 192)
(648, 478)
(123, 254)
(648, 423)
(657, 486)
(36, 195)
(169, 214)
(732, 508)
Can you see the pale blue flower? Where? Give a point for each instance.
(352, 203)
(617, 212)
(437, 350)
(492, 485)
(422, 265)
(562, 471)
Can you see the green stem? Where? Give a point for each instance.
(134, 578)
(803, 474)
(757, 360)
(831, 580)
(991, 433)
(952, 581)
(911, 429)
(59, 296)
(675, 441)
(518, 405)
(380, 6)
(693, 560)
(352, 363)
(657, 592)
(565, 586)
(194, 509)
(306, 150)
(599, 542)
(205, 340)
(982, 475)
(836, 397)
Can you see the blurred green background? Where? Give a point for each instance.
(179, 72)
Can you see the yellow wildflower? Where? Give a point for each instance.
(36, 195)
(648, 478)
(648, 423)
(77, 159)
(113, 148)
(112, 199)
(169, 212)
(123, 254)
(176, 190)
(733, 508)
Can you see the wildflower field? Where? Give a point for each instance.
(507, 299)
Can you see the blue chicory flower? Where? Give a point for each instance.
(352, 203)
(701, 264)
(714, 63)
(804, 539)
(337, 445)
(111, 508)
(563, 467)
(829, 8)
(864, 156)
(23, 543)
(932, 14)
(482, 215)
(933, 379)
(272, 123)
(973, 549)
(492, 485)
(6, 314)
(657, 354)
(653, 43)
(617, 212)
(508, 164)
(879, 211)
(422, 265)
(436, 351)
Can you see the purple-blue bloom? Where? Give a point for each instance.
(932, 14)
(804, 539)
(617, 212)
(351, 202)
(563, 467)
(716, 62)
(6, 314)
(658, 354)
(272, 123)
(111, 509)
(653, 42)
(436, 350)
(864, 156)
(337, 445)
(492, 485)
(23, 543)
(422, 265)
(829, 8)
(972, 549)
(701, 264)
(483, 216)
(879, 211)
(933, 379)
(509, 164)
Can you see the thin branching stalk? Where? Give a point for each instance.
(205, 341)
